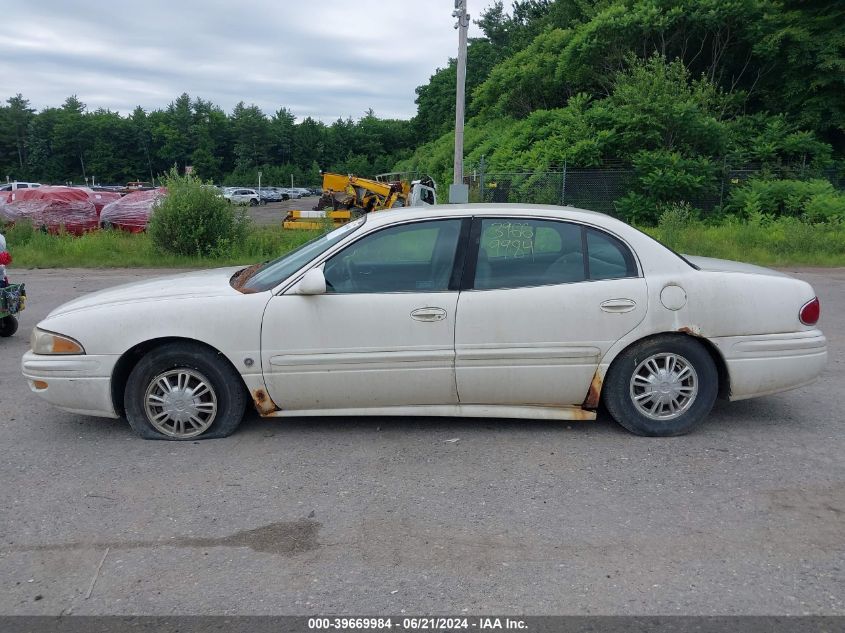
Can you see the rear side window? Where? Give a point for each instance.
(515, 253)
(523, 252)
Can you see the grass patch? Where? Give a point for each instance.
(784, 241)
(117, 249)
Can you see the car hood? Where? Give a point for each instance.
(727, 266)
(204, 283)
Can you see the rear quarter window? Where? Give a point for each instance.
(608, 257)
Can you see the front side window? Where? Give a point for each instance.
(522, 252)
(271, 274)
(415, 257)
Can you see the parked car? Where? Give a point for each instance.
(242, 196)
(294, 194)
(266, 195)
(135, 185)
(14, 186)
(272, 194)
(511, 311)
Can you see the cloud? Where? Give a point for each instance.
(326, 59)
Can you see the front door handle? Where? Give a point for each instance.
(618, 306)
(428, 314)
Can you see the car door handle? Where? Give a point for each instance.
(428, 314)
(617, 306)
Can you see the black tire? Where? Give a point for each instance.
(106, 226)
(620, 385)
(253, 202)
(8, 326)
(225, 383)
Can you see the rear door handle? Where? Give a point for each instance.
(618, 306)
(428, 314)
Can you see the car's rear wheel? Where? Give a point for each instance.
(661, 387)
(8, 326)
(184, 392)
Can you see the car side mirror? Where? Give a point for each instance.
(313, 283)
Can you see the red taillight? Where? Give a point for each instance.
(810, 311)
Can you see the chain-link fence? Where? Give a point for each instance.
(599, 188)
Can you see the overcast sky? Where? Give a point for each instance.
(324, 58)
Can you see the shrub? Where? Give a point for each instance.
(811, 200)
(675, 220)
(663, 179)
(194, 220)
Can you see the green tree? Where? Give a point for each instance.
(282, 126)
(71, 138)
(14, 126)
(171, 130)
(251, 133)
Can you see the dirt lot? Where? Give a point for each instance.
(275, 212)
(384, 515)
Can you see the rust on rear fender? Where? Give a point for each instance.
(263, 404)
(691, 330)
(591, 402)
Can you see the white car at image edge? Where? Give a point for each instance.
(510, 311)
(14, 186)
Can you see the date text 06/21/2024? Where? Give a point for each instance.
(415, 623)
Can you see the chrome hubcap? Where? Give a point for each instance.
(180, 403)
(664, 386)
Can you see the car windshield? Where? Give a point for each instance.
(272, 273)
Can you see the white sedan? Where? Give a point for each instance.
(479, 310)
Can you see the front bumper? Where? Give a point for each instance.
(79, 384)
(764, 364)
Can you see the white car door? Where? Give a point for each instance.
(543, 301)
(381, 335)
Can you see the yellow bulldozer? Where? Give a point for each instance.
(347, 196)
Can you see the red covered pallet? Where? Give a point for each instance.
(52, 208)
(132, 212)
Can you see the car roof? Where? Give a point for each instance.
(503, 209)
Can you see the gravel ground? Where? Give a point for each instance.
(275, 212)
(361, 515)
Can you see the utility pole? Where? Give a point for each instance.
(458, 191)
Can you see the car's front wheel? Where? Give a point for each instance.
(661, 387)
(183, 392)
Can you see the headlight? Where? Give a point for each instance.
(43, 342)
